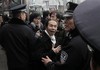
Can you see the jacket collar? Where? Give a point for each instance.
(17, 21)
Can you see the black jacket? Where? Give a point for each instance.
(45, 49)
(19, 43)
(78, 55)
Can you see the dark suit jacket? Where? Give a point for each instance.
(45, 49)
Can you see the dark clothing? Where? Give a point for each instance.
(19, 43)
(63, 37)
(35, 28)
(78, 56)
(44, 21)
(45, 49)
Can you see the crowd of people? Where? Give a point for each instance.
(51, 42)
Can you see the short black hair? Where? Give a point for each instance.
(34, 15)
(53, 12)
(48, 22)
(45, 14)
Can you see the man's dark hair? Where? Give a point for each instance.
(45, 14)
(53, 12)
(47, 23)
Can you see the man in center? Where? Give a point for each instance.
(49, 44)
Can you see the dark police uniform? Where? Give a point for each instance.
(19, 42)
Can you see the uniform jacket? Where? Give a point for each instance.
(19, 43)
(78, 55)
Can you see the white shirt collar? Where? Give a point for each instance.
(53, 39)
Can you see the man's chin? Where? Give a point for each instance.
(52, 33)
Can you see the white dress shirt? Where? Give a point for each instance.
(53, 39)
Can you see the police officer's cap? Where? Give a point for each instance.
(68, 14)
(71, 6)
(18, 7)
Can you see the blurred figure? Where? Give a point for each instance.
(18, 41)
(1, 20)
(87, 20)
(46, 17)
(35, 23)
(69, 24)
(53, 15)
(5, 20)
(60, 22)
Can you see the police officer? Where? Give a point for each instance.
(18, 41)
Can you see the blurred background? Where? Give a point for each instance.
(36, 5)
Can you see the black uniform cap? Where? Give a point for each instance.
(70, 8)
(68, 14)
(17, 9)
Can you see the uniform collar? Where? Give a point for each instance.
(17, 21)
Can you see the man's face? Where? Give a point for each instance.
(69, 24)
(37, 20)
(52, 27)
(53, 16)
(23, 16)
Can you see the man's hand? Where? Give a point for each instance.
(46, 60)
(57, 49)
(38, 34)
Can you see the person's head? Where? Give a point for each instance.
(69, 24)
(21, 15)
(53, 15)
(51, 27)
(17, 10)
(35, 17)
(46, 14)
(59, 17)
